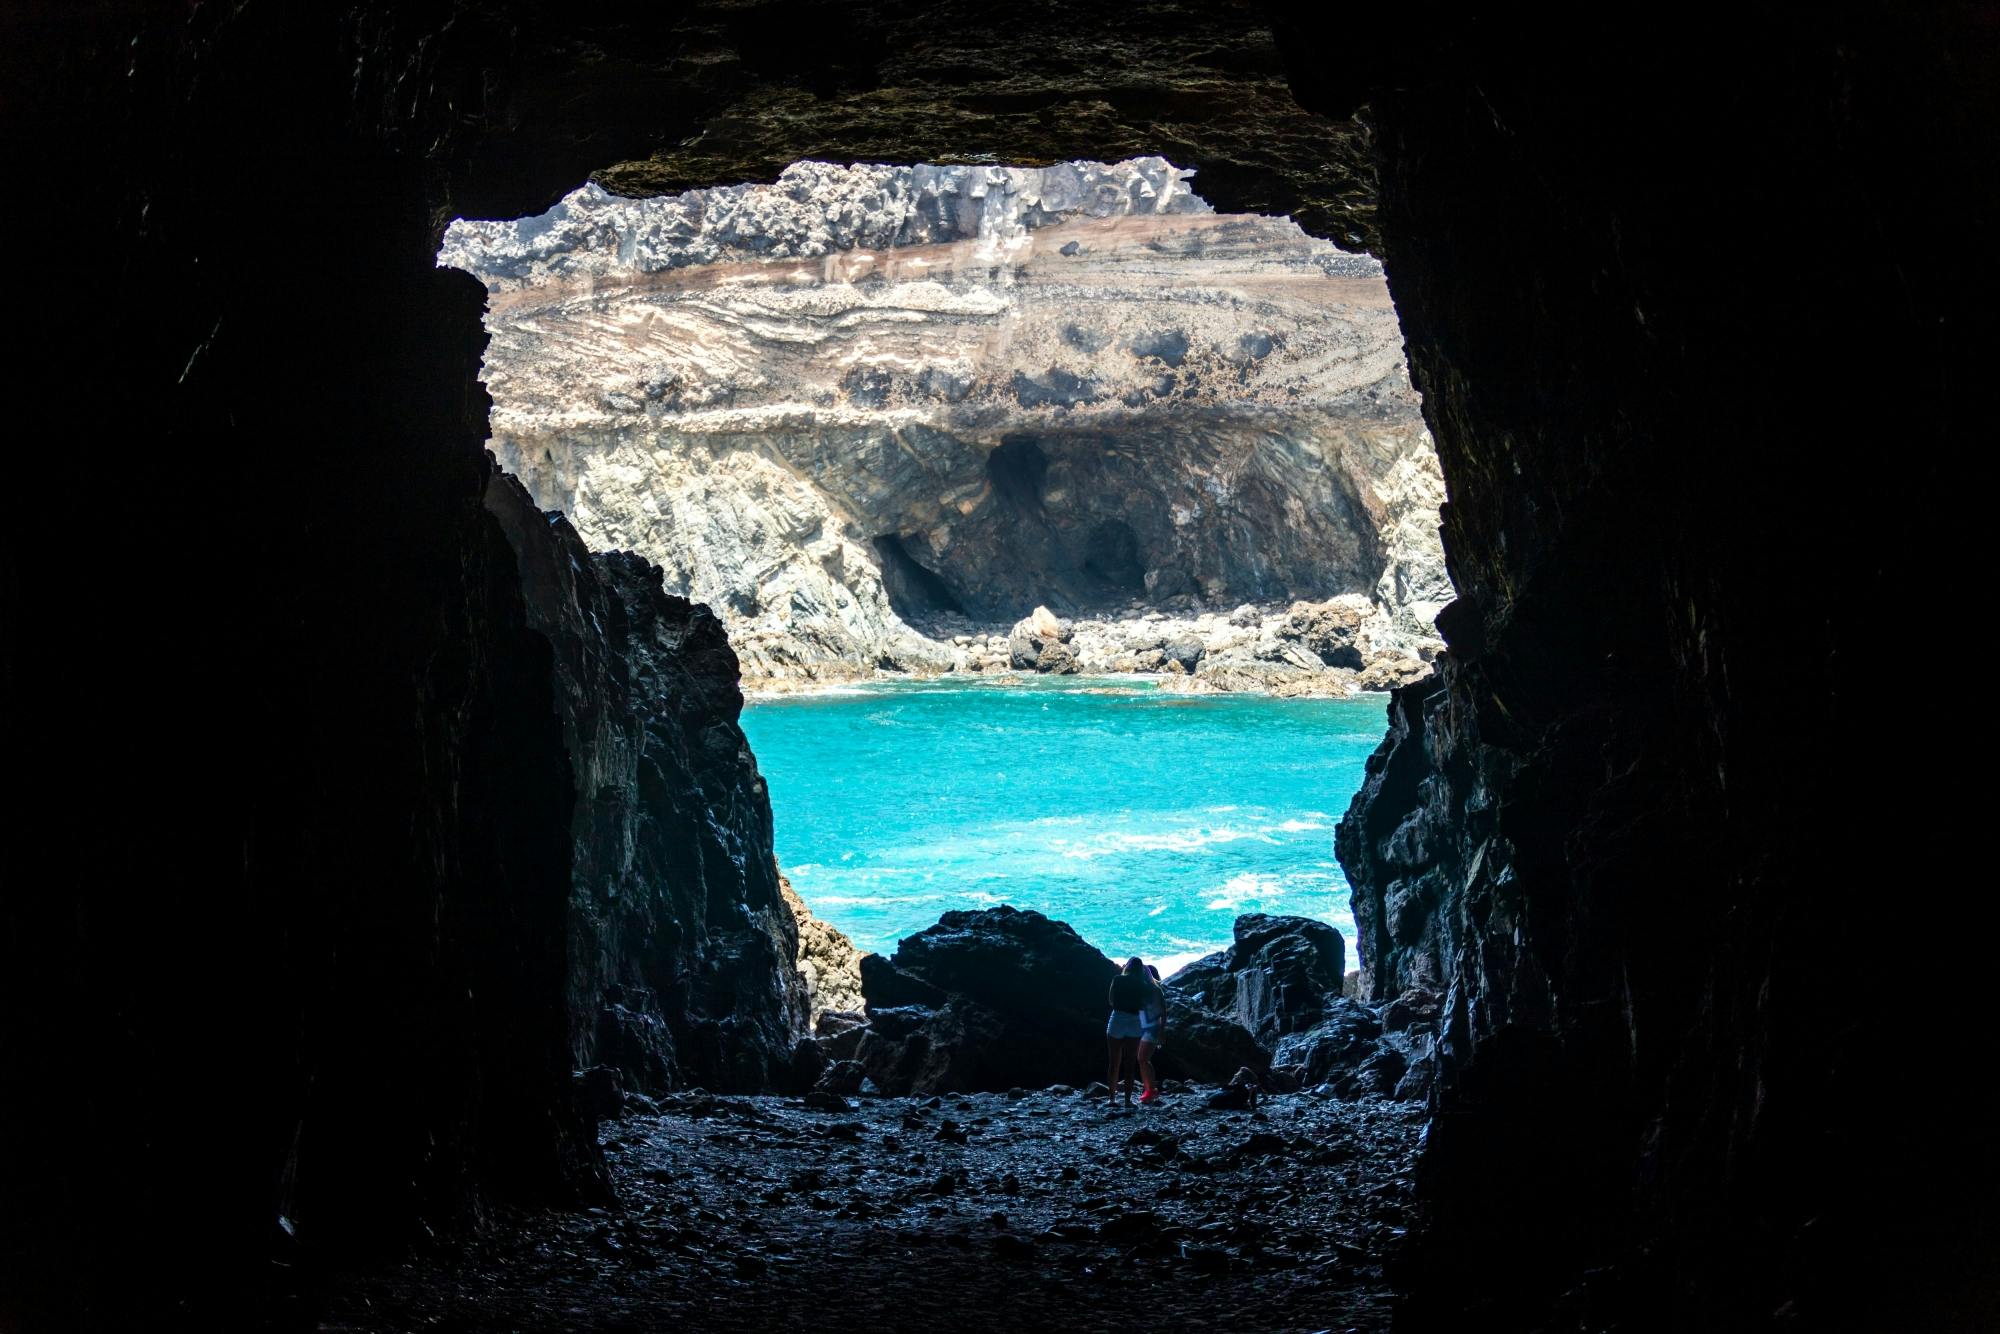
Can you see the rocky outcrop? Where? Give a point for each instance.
(1272, 1001)
(1040, 642)
(841, 406)
(1330, 648)
(994, 999)
(682, 945)
(828, 963)
(1275, 977)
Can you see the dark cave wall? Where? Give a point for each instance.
(680, 949)
(1695, 310)
(1670, 291)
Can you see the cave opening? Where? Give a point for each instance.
(415, 840)
(913, 588)
(1065, 426)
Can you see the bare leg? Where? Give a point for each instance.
(1114, 1049)
(1146, 1081)
(1130, 1059)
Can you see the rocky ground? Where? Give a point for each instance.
(1016, 1211)
(1329, 649)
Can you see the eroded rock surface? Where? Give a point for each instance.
(992, 999)
(827, 961)
(681, 942)
(840, 406)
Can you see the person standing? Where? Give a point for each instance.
(1130, 990)
(1152, 1034)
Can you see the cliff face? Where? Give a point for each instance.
(680, 946)
(842, 406)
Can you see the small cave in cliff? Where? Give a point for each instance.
(877, 415)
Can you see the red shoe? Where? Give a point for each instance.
(1150, 1095)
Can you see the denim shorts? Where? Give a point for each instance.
(1123, 1024)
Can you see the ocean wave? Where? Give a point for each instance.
(1298, 826)
(1241, 889)
(1169, 964)
(1176, 840)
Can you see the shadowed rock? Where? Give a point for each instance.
(993, 1000)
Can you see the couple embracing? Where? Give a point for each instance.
(1137, 1028)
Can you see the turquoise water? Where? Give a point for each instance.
(1145, 819)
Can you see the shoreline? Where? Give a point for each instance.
(763, 690)
(1336, 649)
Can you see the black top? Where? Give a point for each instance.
(1130, 992)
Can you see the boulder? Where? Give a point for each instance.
(1278, 977)
(842, 1078)
(809, 1062)
(1328, 630)
(1343, 1039)
(1205, 1047)
(1040, 642)
(839, 1033)
(988, 1001)
(1186, 651)
(1414, 1007)
(599, 1092)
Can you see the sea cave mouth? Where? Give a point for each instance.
(980, 426)
(398, 940)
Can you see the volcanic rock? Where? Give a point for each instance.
(985, 1000)
(1276, 978)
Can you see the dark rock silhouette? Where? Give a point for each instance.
(1275, 978)
(681, 943)
(986, 1000)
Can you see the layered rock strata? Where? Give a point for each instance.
(842, 406)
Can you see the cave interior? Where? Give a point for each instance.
(1700, 312)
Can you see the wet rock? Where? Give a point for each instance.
(819, 1100)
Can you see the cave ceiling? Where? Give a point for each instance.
(736, 92)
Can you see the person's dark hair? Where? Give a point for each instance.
(1152, 972)
(1132, 965)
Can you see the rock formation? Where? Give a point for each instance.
(681, 941)
(866, 407)
(828, 963)
(993, 999)
(1272, 1001)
